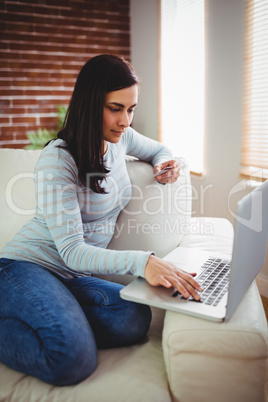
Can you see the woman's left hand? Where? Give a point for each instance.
(169, 176)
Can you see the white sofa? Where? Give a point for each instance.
(183, 358)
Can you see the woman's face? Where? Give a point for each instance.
(118, 113)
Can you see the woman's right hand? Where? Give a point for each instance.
(159, 272)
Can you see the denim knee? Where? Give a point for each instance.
(146, 317)
(43, 330)
(72, 366)
(139, 321)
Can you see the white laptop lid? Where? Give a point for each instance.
(251, 232)
(249, 249)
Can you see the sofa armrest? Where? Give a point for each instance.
(210, 234)
(207, 361)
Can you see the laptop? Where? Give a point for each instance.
(224, 278)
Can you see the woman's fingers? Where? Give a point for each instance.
(162, 273)
(186, 286)
(171, 175)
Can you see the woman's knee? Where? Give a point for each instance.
(134, 323)
(139, 321)
(56, 360)
(72, 365)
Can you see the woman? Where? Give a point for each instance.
(54, 314)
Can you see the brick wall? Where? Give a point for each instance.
(43, 45)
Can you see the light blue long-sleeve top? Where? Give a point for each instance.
(73, 225)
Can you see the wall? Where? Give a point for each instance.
(43, 45)
(144, 24)
(218, 190)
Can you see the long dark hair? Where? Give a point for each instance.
(82, 128)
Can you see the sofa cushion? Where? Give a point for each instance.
(17, 199)
(155, 212)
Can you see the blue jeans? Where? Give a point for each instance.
(50, 328)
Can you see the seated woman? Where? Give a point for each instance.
(53, 314)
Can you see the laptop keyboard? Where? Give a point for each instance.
(214, 280)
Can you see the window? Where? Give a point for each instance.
(182, 79)
(254, 160)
